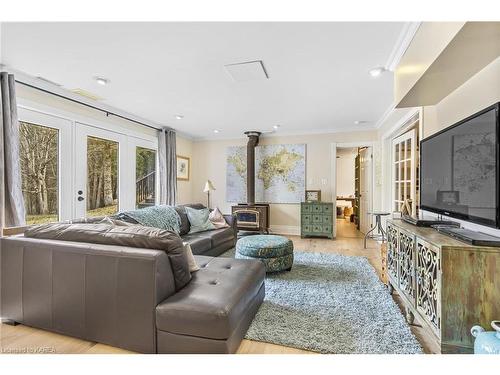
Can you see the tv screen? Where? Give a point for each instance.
(458, 169)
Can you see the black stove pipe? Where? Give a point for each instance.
(253, 141)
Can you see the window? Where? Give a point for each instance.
(39, 150)
(102, 177)
(145, 176)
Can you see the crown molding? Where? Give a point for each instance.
(402, 44)
(385, 115)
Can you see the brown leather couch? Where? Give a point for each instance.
(126, 296)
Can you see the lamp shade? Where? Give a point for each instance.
(208, 186)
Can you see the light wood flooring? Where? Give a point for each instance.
(349, 241)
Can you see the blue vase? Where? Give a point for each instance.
(487, 342)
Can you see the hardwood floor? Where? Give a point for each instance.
(23, 339)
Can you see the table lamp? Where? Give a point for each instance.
(208, 187)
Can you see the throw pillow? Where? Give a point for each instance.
(193, 266)
(199, 220)
(217, 219)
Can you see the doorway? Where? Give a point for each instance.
(353, 190)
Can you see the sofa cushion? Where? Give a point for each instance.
(220, 236)
(136, 236)
(215, 237)
(198, 242)
(215, 300)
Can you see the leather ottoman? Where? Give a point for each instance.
(276, 252)
(213, 312)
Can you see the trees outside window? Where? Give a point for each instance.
(39, 172)
(102, 177)
(145, 174)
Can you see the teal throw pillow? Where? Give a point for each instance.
(199, 220)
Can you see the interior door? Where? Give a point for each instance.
(404, 158)
(100, 172)
(365, 184)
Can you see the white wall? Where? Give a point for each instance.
(209, 162)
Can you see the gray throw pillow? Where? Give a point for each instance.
(199, 220)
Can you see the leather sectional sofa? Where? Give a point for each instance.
(127, 296)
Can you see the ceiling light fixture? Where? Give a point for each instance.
(216, 131)
(375, 72)
(360, 122)
(179, 117)
(101, 81)
(276, 127)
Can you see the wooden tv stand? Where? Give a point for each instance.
(447, 284)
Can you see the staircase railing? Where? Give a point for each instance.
(145, 187)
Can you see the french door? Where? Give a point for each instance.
(100, 171)
(71, 169)
(404, 181)
(113, 172)
(45, 156)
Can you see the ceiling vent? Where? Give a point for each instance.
(86, 94)
(48, 81)
(247, 71)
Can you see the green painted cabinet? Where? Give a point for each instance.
(316, 219)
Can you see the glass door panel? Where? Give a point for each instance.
(46, 165)
(145, 177)
(404, 177)
(99, 172)
(102, 177)
(39, 159)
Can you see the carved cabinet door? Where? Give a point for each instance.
(392, 253)
(428, 267)
(406, 264)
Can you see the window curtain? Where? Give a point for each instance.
(12, 211)
(168, 166)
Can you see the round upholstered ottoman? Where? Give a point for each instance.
(276, 252)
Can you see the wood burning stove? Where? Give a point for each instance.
(252, 216)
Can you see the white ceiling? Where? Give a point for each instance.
(318, 72)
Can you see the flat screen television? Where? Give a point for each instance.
(459, 169)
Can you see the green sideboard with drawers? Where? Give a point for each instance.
(316, 219)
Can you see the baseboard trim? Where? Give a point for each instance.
(290, 230)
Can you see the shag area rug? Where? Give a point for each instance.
(331, 303)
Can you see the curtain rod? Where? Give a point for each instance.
(87, 105)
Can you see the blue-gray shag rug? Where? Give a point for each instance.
(331, 303)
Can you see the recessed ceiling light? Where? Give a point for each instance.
(101, 81)
(216, 131)
(276, 127)
(375, 72)
(360, 122)
(179, 117)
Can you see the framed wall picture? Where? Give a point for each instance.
(183, 168)
(313, 195)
